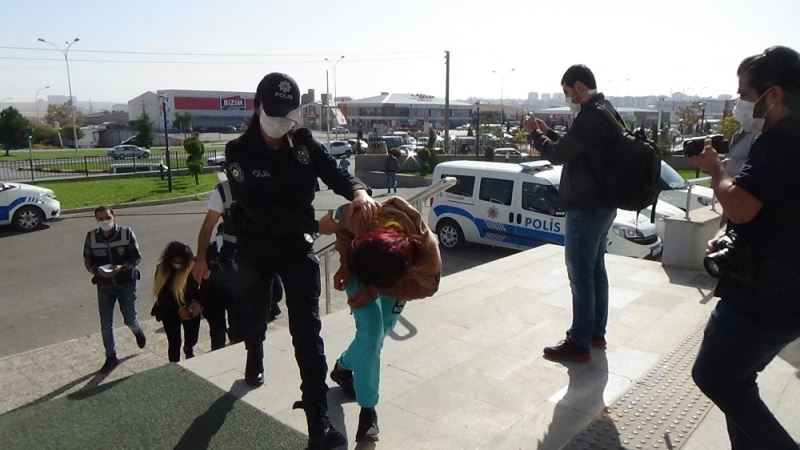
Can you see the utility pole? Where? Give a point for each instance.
(478, 129)
(327, 106)
(447, 101)
(164, 99)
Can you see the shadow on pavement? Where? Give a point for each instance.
(206, 425)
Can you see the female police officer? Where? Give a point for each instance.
(272, 170)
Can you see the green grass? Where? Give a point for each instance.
(81, 193)
(688, 174)
(163, 408)
(23, 154)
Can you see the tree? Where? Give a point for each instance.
(183, 122)
(13, 129)
(729, 126)
(45, 134)
(194, 162)
(688, 118)
(59, 115)
(66, 131)
(145, 133)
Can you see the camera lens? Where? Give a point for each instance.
(711, 266)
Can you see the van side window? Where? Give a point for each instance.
(496, 191)
(464, 185)
(541, 198)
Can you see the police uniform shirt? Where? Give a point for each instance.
(274, 190)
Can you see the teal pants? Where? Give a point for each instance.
(373, 322)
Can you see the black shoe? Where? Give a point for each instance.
(141, 339)
(254, 369)
(344, 378)
(367, 426)
(597, 341)
(273, 314)
(188, 352)
(321, 434)
(111, 363)
(567, 350)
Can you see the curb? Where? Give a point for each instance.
(166, 201)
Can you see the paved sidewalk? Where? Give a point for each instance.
(463, 369)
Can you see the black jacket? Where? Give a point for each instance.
(274, 190)
(120, 249)
(582, 151)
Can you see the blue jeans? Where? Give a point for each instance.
(106, 297)
(374, 321)
(585, 249)
(391, 181)
(735, 348)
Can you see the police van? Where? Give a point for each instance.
(516, 206)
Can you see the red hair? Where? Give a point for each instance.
(381, 256)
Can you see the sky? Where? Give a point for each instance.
(634, 47)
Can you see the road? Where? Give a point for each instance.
(45, 293)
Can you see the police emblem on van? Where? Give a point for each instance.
(236, 172)
(301, 155)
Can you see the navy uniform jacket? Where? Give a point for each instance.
(120, 249)
(274, 191)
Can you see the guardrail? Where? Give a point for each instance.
(417, 201)
(689, 185)
(38, 169)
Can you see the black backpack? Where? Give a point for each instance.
(632, 173)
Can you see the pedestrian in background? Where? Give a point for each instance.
(111, 254)
(390, 167)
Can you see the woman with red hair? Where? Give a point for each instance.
(384, 264)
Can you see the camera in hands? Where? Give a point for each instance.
(694, 146)
(730, 257)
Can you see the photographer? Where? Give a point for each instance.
(758, 313)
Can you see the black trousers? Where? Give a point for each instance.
(172, 327)
(300, 275)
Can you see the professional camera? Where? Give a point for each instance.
(729, 258)
(694, 146)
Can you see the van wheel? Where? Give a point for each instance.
(28, 218)
(450, 235)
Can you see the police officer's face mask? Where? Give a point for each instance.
(274, 127)
(106, 225)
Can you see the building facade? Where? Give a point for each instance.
(403, 111)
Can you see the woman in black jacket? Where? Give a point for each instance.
(175, 290)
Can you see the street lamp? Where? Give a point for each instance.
(164, 99)
(36, 101)
(502, 109)
(334, 63)
(65, 51)
(477, 128)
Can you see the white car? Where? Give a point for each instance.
(507, 151)
(26, 207)
(363, 145)
(339, 148)
(408, 150)
(516, 206)
(674, 190)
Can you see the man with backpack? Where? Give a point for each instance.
(584, 151)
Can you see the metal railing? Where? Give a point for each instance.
(417, 201)
(39, 169)
(689, 185)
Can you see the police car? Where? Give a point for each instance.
(675, 190)
(26, 207)
(516, 206)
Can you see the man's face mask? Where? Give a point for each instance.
(274, 127)
(106, 225)
(744, 113)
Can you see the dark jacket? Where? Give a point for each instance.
(166, 305)
(120, 249)
(391, 164)
(582, 151)
(273, 191)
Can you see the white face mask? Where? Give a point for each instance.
(106, 225)
(743, 112)
(177, 266)
(576, 106)
(274, 127)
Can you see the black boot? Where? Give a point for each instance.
(344, 378)
(188, 352)
(321, 434)
(254, 370)
(367, 426)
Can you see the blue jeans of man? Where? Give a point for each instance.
(374, 321)
(106, 297)
(391, 181)
(735, 348)
(585, 248)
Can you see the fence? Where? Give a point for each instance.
(38, 169)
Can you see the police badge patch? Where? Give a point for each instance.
(301, 155)
(236, 172)
(121, 251)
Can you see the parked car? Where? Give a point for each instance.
(675, 189)
(408, 150)
(339, 148)
(128, 151)
(339, 130)
(216, 159)
(516, 206)
(507, 151)
(363, 147)
(27, 207)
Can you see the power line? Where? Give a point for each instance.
(253, 55)
(140, 61)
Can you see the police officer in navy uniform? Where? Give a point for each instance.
(272, 170)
